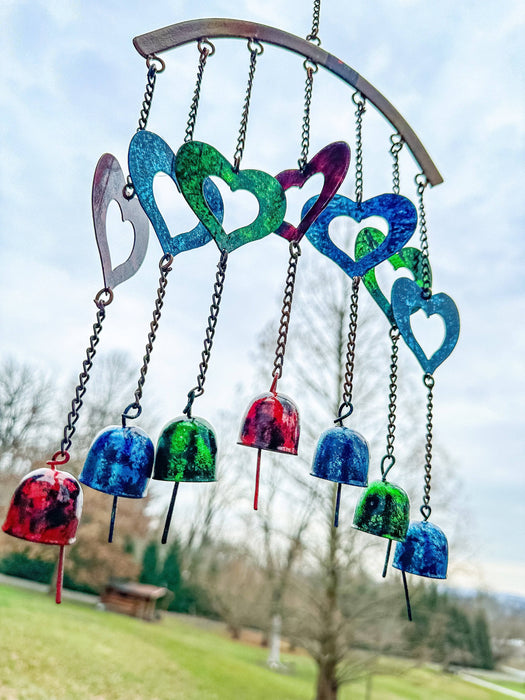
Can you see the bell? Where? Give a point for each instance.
(423, 553)
(341, 456)
(186, 451)
(46, 508)
(119, 463)
(271, 423)
(383, 510)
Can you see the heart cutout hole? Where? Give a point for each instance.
(120, 235)
(343, 231)
(179, 217)
(241, 207)
(429, 331)
(296, 197)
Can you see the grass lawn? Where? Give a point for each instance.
(68, 652)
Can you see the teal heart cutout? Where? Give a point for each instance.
(410, 258)
(195, 161)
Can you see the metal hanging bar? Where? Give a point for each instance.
(182, 33)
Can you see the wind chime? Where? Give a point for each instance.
(46, 505)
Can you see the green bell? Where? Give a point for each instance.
(384, 510)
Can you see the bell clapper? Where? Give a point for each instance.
(257, 474)
(112, 521)
(60, 575)
(170, 513)
(387, 558)
(407, 597)
(337, 504)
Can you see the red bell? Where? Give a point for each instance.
(46, 508)
(271, 423)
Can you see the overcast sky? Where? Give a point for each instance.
(72, 85)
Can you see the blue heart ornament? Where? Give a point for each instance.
(399, 213)
(407, 299)
(148, 155)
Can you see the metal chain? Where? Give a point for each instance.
(425, 510)
(360, 103)
(210, 332)
(206, 48)
(76, 404)
(350, 356)
(165, 268)
(392, 399)
(397, 142)
(421, 183)
(155, 65)
(255, 48)
(295, 252)
(311, 68)
(313, 36)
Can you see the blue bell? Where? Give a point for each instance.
(423, 553)
(342, 457)
(384, 510)
(119, 463)
(186, 451)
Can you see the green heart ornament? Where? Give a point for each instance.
(410, 258)
(196, 161)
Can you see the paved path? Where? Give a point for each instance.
(491, 686)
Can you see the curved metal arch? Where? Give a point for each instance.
(193, 30)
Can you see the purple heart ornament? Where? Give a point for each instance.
(332, 161)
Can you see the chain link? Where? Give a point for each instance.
(360, 103)
(397, 142)
(425, 509)
(392, 400)
(210, 332)
(206, 48)
(295, 252)
(313, 36)
(155, 65)
(255, 49)
(165, 267)
(421, 183)
(346, 403)
(310, 68)
(76, 404)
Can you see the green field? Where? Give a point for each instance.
(73, 651)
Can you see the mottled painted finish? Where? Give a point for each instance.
(108, 184)
(424, 552)
(399, 213)
(332, 161)
(196, 161)
(383, 510)
(119, 462)
(148, 155)
(186, 451)
(406, 300)
(271, 423)
(408, 258)
(342, 456)
(45, 508)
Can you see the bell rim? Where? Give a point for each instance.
(54, 543)
(385, 537)
(359, 484)
(110, 493)
(413, 573)
(185, 481)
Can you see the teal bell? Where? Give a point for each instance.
(186, 451)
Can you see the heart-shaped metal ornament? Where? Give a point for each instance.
(148, 155)
(406, 300)
(196, 161)
(399, 213)
(332, 161)
(407, 258)
(108, 185)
